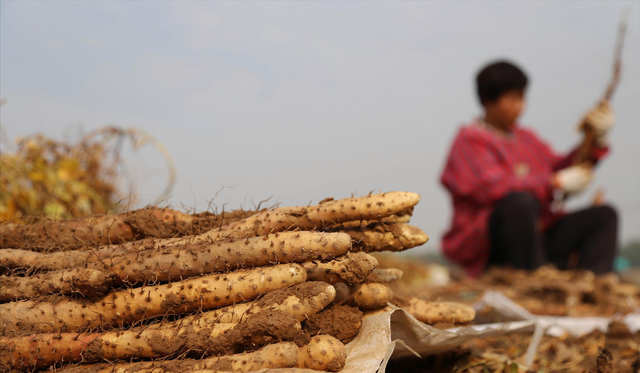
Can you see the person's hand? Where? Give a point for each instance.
(600, 119)
(573, 179)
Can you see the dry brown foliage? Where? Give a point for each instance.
(56, 179)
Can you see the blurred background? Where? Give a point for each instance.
(302, 100)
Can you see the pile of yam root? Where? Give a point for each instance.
(280, 289)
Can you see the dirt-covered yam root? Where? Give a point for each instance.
(384, 237)
(86, 282)
(323, 352)
(370, 295)
(154, 341)
(95, 230)
(300, 301)
(273, 356)
(258, 329)
(436, 312)
(325, 214)
(42, 350)
(126, 306)
(352, 267)
(342, 322)
(385, 275)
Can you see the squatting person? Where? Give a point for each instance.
(502, 178)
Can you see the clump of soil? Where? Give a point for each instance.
(264, 327)
(359, 267)
(304, 290)
(342, 322)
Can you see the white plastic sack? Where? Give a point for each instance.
(504, 308)
(398, 334)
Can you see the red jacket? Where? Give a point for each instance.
(485, 166)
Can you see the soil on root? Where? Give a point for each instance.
(341, 322)
(305, 290)
(271, 325)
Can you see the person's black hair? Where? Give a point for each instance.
(497, 78)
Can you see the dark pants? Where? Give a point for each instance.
(517, 239)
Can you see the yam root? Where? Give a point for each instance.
(385, 275)
(159, 340)
(300, 301)
(401, 217)
(341, 322)
(323, 353)
(181, 261)
(196, 259)
(170, 264)
(328, 212)
(126, 306)
(258, 329)
(383, 237)
(436, 312)
(370, 295)
(42, 350)
(277, 355)
(96, 230)
(352, 267)
(87, 282)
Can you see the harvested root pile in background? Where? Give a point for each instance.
(251, 292)
(566, 293)
(596, 352)
(548, 291)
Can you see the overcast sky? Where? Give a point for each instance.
(306, 100)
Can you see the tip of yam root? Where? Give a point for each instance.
(324, 353)
(436, 312)
(340, 321)
(370, 295)
(358, 266)
(342, 240)
(409, 199)
(413, 236)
